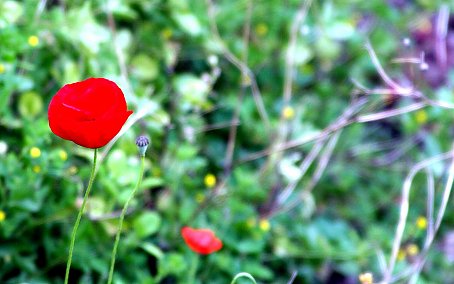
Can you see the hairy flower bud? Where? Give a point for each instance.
(142, 143)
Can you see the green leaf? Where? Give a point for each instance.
(151, 182)
(11, 11)
(192, 89)
(245, 275)
(188, 22)
(30, 104)
(258, 270)
(144, 67)
(147, 224)
(171, 264)
(340, 30)
(301, 53)
(153, 250)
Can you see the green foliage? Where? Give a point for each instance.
(185, 91)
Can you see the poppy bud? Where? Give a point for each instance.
(142, 143)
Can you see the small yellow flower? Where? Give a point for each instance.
(2, 68)
(167, 33)
(421, 116)
(412, 249)
(33, 40)
(366, 278)
(264, 225)
(35, 152)
(36, 169)
(401, 254)
(251, 222)
(210, 180)
(261, 29)
(200, 197)
(2, 216)
(288, 112)
(63, 155)
(421, 222)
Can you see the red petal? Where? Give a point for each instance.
(202, 241)
(89, 113)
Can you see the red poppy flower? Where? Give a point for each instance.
(202, 241)
(89, 113)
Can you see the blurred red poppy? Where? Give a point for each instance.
(90, 113)
(202, 241)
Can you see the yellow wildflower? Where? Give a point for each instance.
(264, 225)
(261, 29)
(421, 116)
(412, 249)
(37, 169)
(2, 215)
(366, 278)
(288, 112)
(2, 68)
(401, 254)
(421, 222)
(63, 155)
(210, 180)
(33, 40)
(35, 152)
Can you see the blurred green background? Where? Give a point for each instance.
(188, 97)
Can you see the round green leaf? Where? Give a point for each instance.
(30, 104)
(147, 224)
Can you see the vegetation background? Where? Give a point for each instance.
(221, 88)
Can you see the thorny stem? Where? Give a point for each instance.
(122, 217)
(79, 216)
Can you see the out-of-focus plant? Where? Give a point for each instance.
(270, 125)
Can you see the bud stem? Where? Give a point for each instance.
(122, 217)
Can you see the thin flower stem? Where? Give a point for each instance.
(79, 216)
(193, 268)
(122, 217)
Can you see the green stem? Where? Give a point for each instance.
(79, 216)
(193, 268)
(122, 217)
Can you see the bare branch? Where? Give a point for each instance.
(242, 66)
(405, 206)
(383, 75)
